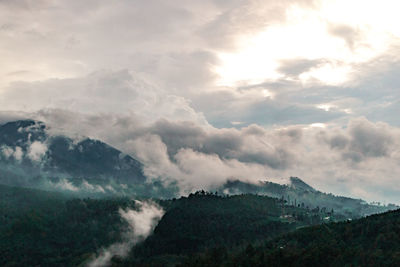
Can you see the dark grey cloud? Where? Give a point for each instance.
(339, 141)
(178, 135)
(225, 143)
(370, 140)
(363, 140)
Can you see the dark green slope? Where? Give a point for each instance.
(39, 228)
(206, 221)
(371, 241)
(49, 228)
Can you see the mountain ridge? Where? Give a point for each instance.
(298, 193)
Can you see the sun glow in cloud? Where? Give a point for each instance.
(331, 33)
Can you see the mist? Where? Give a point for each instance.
(141, 224)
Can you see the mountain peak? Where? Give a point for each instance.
(297, 183)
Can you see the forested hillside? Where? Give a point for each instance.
(40, 228)
(371, 241)
(47, 228)
(204, 221)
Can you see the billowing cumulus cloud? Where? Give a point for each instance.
(363, 140)
(101, 92)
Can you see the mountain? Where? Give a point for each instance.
(300, 194)
(28, 142)
(299, 184)
(31, 156)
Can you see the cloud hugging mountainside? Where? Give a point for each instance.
(30, 156)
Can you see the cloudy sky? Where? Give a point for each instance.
(204, 91)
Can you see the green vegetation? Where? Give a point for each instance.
(48, 229)
(204, 221)
(39, 228)
(371, 241)
(298, 192)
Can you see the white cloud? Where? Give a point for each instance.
(102, 92)
(141, 222)
(36, 151)
(92, 188)
(64, 185)
(9, 152)
(18, 154)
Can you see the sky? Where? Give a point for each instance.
(205, 91)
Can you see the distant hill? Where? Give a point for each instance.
(300, 194)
